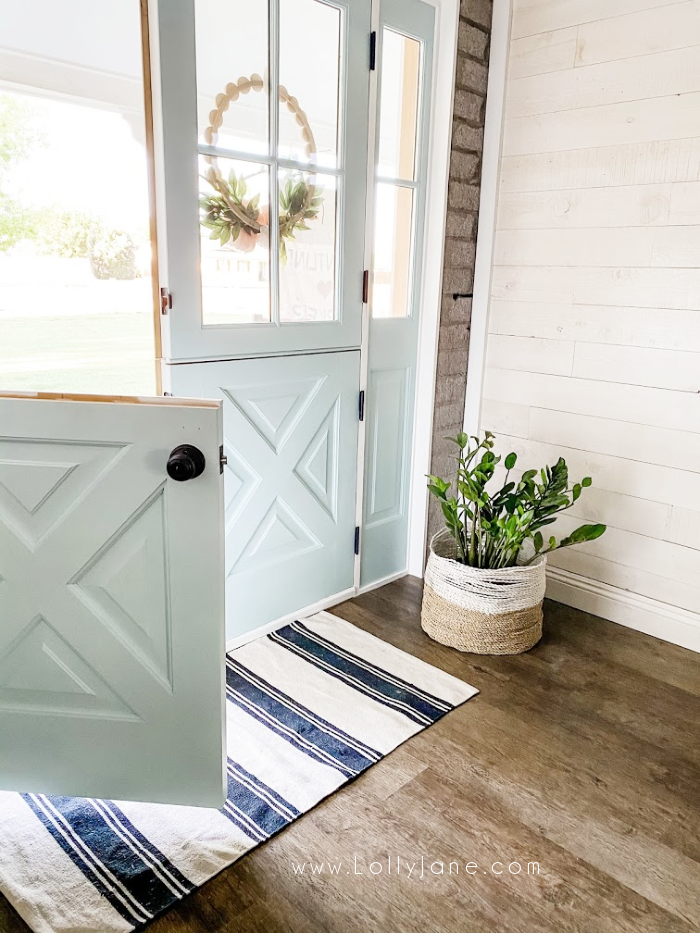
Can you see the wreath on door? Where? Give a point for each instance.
(239, 220)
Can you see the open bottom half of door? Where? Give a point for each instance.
(111, 599)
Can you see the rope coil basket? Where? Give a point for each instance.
(479, 610)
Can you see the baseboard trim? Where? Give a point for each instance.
(383, 582)
(642, 613)
(322, 604)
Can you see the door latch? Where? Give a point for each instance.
(223, 459)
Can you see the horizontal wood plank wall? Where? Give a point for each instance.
(594, 323)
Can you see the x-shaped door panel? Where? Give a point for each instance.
(290, 436)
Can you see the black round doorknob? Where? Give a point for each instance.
(185, 462)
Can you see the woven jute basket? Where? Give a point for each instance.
(481, 611)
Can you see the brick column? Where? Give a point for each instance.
(460, 236)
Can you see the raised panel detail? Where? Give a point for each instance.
(42, 673)
(41, 482)
(275, 409)
(240, 483)
(290, 436)
(280, 535)
(386, 445)
(126, 586)
(32, 483)
(318, 466)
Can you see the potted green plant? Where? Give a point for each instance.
(485, 578)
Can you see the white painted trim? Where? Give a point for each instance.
(373, 119)
(642, 613)
(488, 206)
(67, 81)
(442, 100)
(384, 580)
(291, 617)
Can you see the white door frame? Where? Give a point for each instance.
(488, 204)
(442, 101)
(364, 346)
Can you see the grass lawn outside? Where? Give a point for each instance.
(101, 353)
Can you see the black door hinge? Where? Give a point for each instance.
(372, 50)
(357, 539)
(223, 459)
(166, 301)
(365, 286)
(168, 394)
(362, 405)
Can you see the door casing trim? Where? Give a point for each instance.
(441, 107)
(494, 123)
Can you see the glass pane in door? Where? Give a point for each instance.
(392, 258)
(307, 277)
(399, 105)
(232, 69)
(309, 70)
(76, 295)
(235, 248)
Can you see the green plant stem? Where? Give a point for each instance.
(460, 545)
(472, 546)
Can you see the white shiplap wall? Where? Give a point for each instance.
(593, 348)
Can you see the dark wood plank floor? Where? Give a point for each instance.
(582, 755)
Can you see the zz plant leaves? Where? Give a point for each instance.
(490, 528)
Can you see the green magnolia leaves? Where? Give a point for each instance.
(582, 534)
(491, 528)
(225, 213)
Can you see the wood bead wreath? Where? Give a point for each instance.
(238, 220)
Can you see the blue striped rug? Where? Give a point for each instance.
(309, 708)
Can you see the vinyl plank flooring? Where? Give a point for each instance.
(581, 755)
(656, 659)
